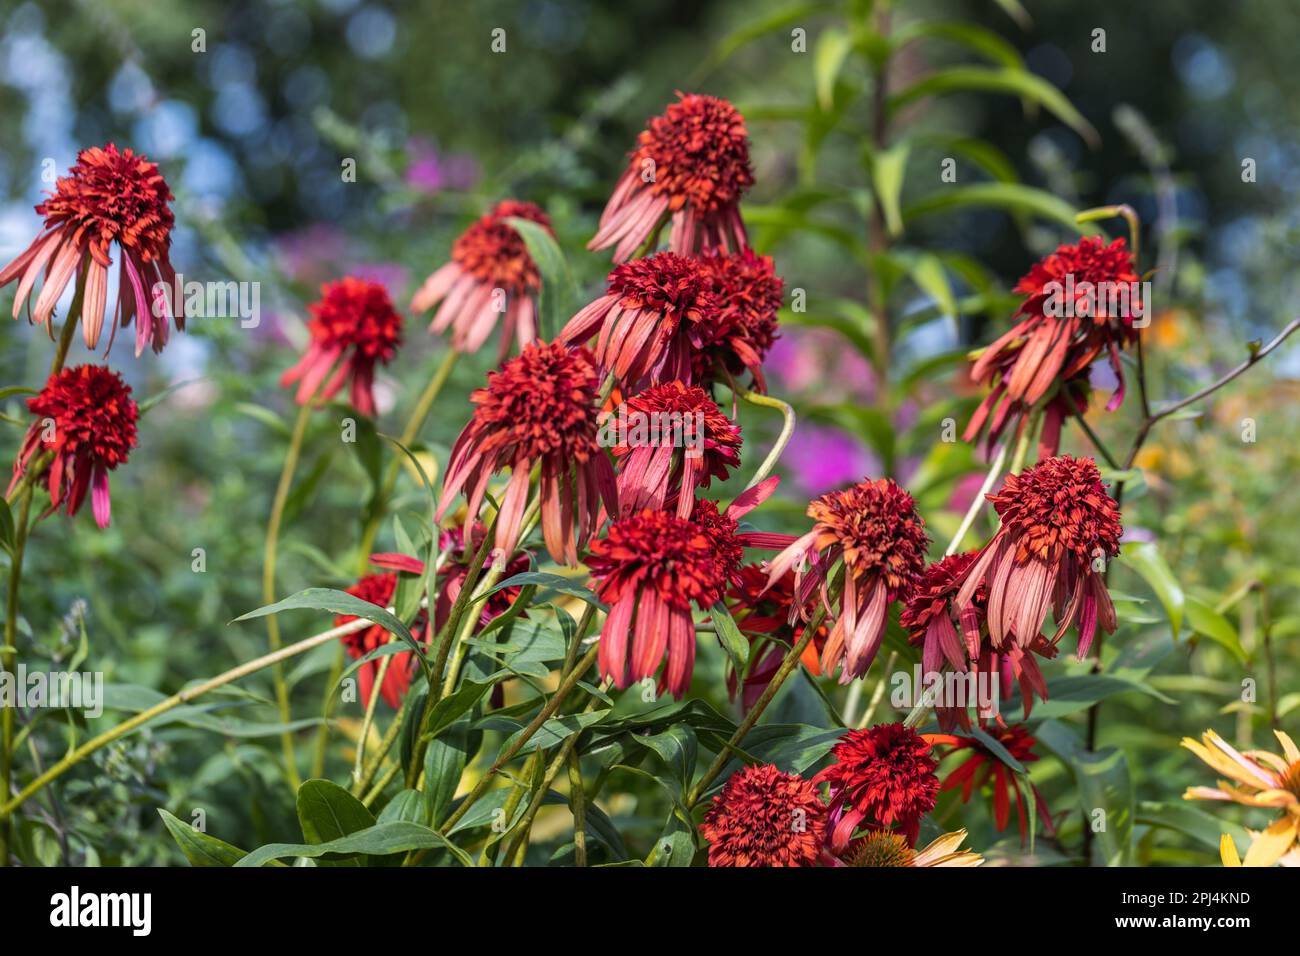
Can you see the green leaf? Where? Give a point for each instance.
(154, 400)
(555, 300)
(444, 763)
(1145, 558)
(450, 709)
(1104, 784)
(676, 845)
(1190, 821)
(1206, 621)
(199, 848)
(928, 273)
(328, 812)
(755, 29)
(1012, 197)
(381, 839)
(981, 41)
(551, 582)
(887, 171)
(733, 642)
(1069, 695)
(339, 602)
(833, 46)
(1009, 80)
(556, 731)
(6, 526)
(265, 416)
(677, 747)
(410, 806)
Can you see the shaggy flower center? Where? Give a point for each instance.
(113, 195)
(667, 284)
(542, 402)
(655, 549)
(493, 251)
(355, 313)
(93, 412)
(876, 526)
(700, 153)
(1059, 506)
(750, 294)
(881, 848)
(1094, 270)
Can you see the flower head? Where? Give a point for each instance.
(749, 294)
(882, 777)
(490, 274)
(690, 163)
(379, 589)
(652, 567)
(875, 529)
(656, 314)
(1058, 529)
(1256, 778)
(764, 817)
(109, 196)
(883, 848)
(86, 427)
(353, 328)
(540, 407)
(983, 766)
(1080, 302)
(673, 438)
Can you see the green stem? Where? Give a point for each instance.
(183, 697)
(995, 471)
(783, 439)
(578, 807)
(368, 720)
(268, 579)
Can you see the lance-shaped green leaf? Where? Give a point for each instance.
(382, 839)
(339, 602)
(555, 300)
(328, 812)
(1145, 558)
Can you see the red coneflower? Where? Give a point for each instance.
(1043, 351)
(764, 817)
(983, 767)
(749, 295)
(874, 528)
(109, 196)
(692, 163)
(672, 439)
(929, 617)
(1059, 527)
(379, 589)
(490, 274)
(353, 327)
(882, 777)
(650, 568)
(86, 428)
(656, 313)
(540, 407)
(763, 614)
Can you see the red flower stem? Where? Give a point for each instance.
(291, 457)
(419, 414)
(783, 439)
(9, 654)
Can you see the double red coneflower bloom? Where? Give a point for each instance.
(1047, 356)
(86, 427)
(656, 314)
(883, 777)
(109, 196)
(929, 617)
(677, 440)
(490, 275)
(354, 327)
(653, 568)
(764, 817)
(749, 295)
(875, 530)
(538, 409)
(1059, 529)
(690, 163)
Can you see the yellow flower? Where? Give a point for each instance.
(1257, 778)
(1228, 853)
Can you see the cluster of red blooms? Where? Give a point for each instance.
(880, 784)
(86, 419)
(865, 808)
